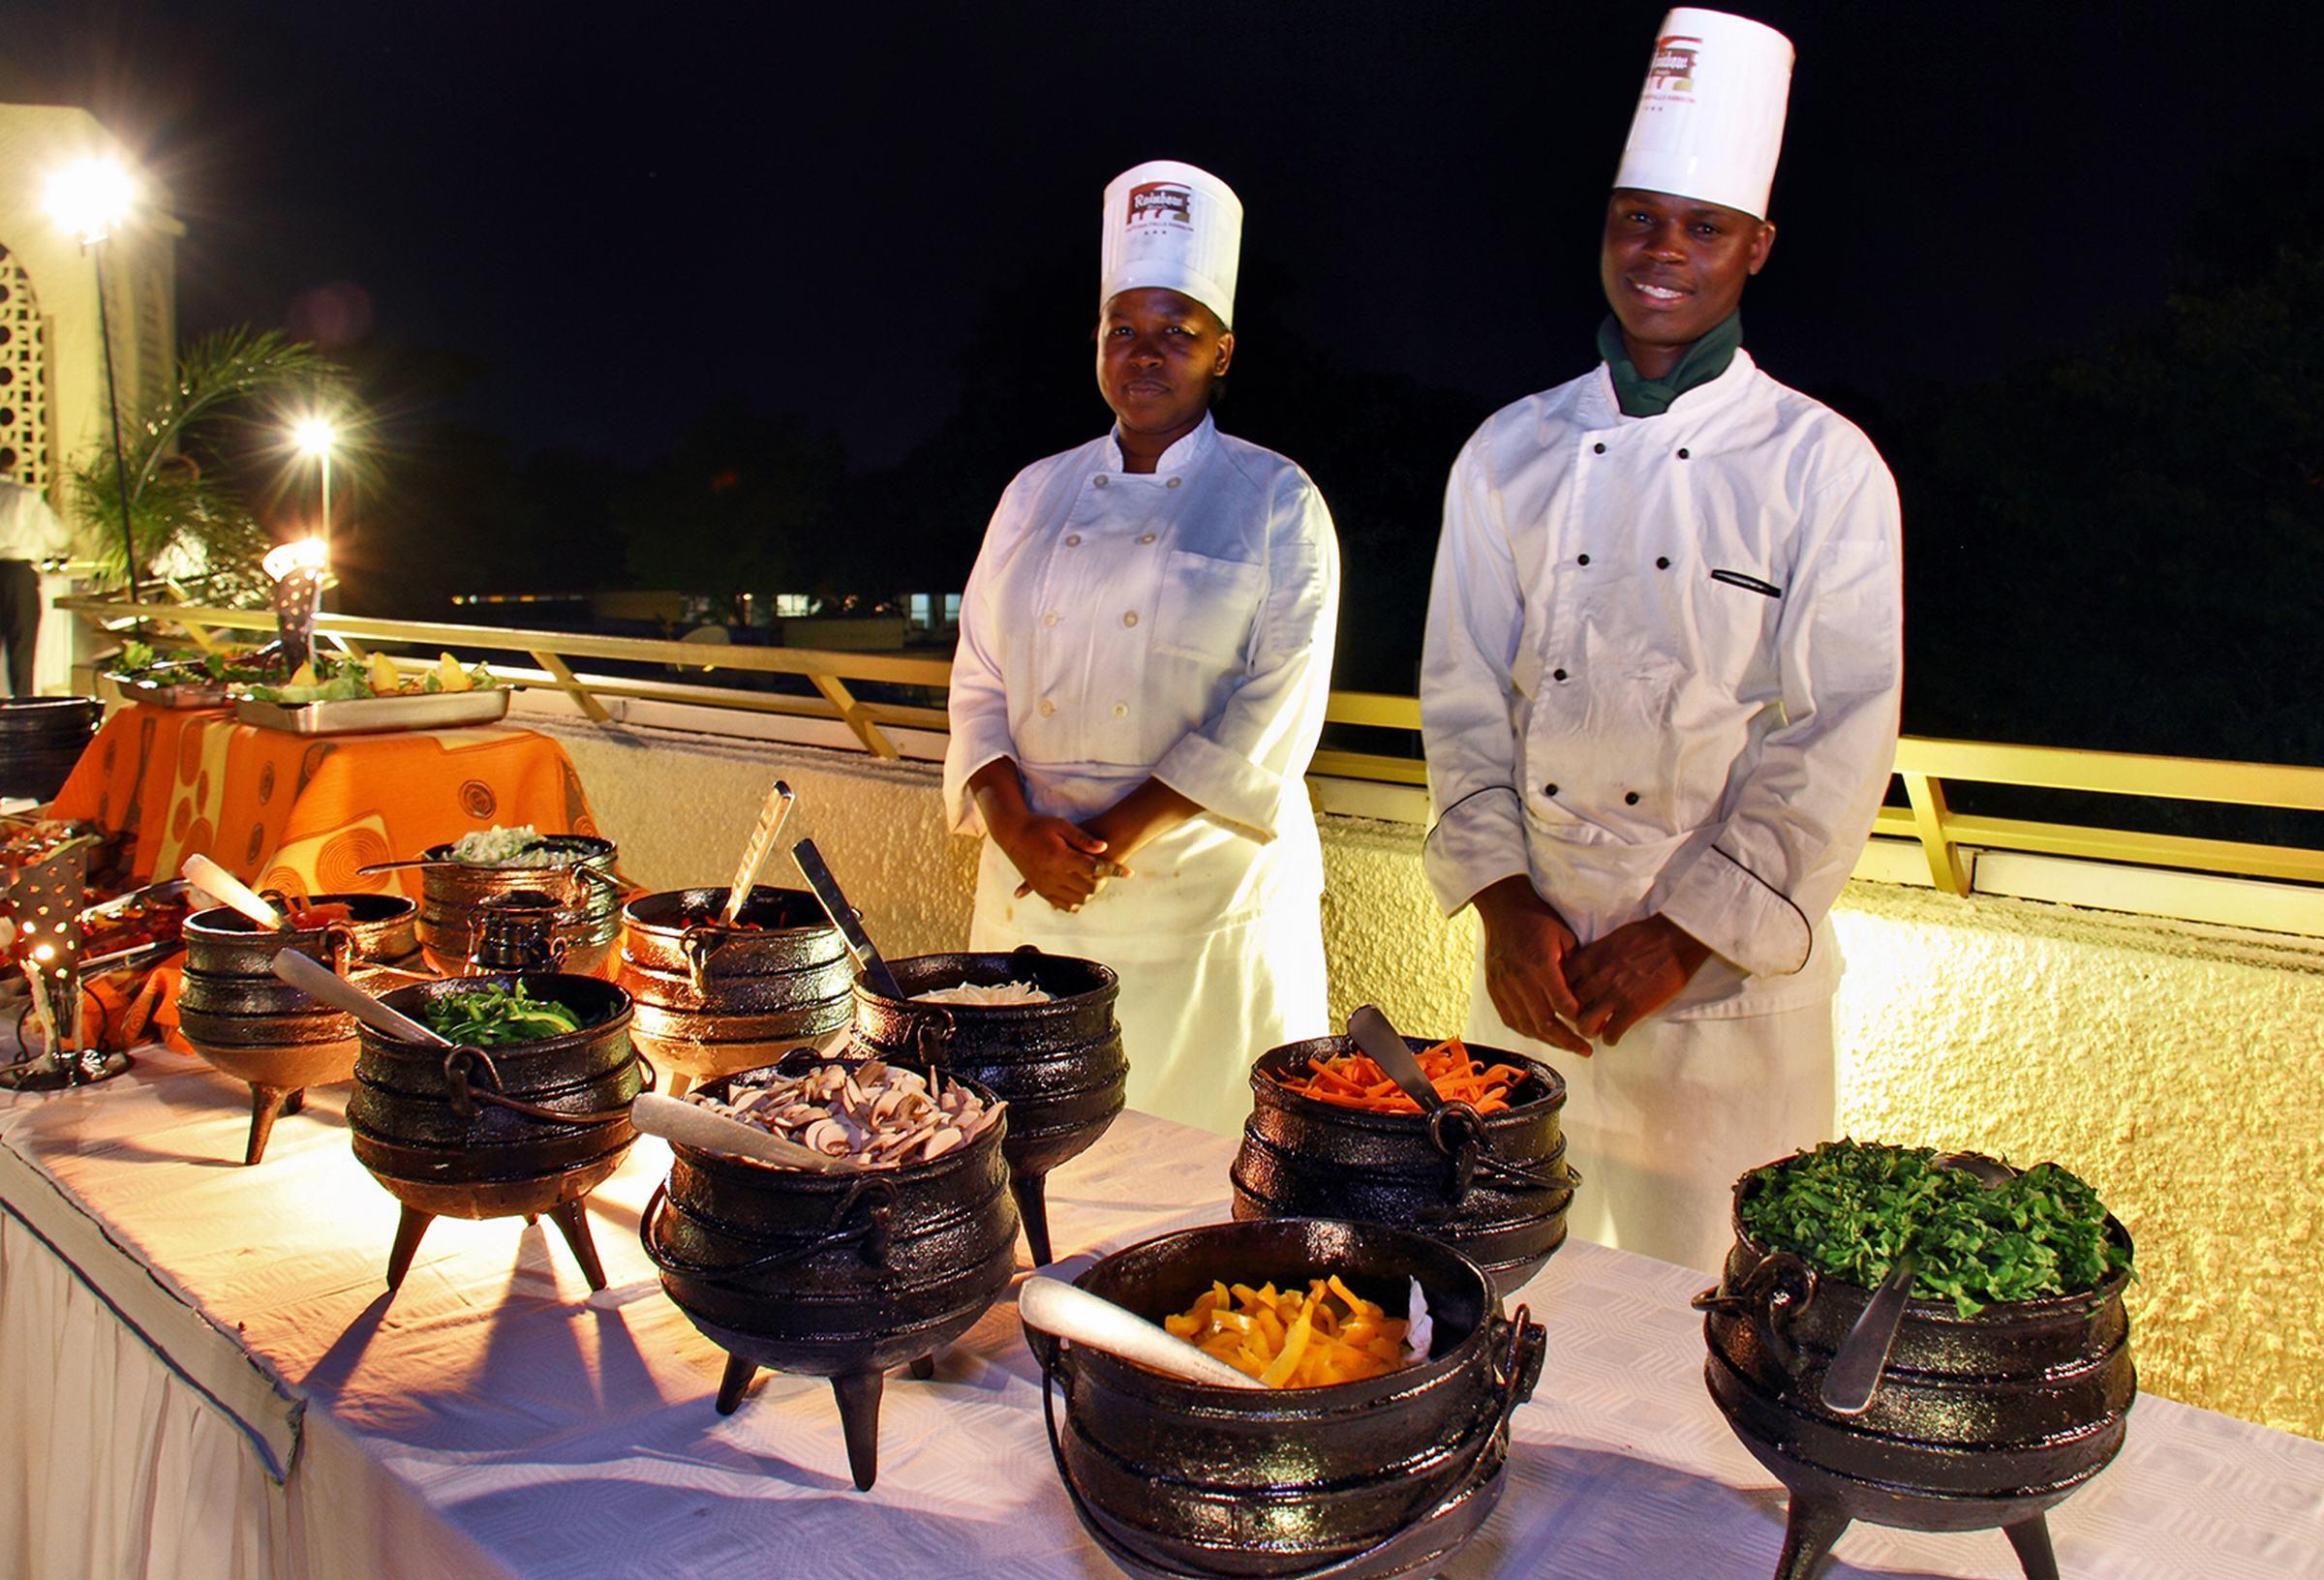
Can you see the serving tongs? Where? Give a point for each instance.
(846, 918)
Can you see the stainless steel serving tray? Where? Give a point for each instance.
(191, 695)
(425, 711)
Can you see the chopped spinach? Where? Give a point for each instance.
(1849, 1210)
(491, 1016)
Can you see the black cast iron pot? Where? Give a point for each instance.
(252, 1025)
(451, 894)
(712, 1000)
(1059, 1066)
(1494, 1187)
(1354, 1481)
(41, 739)
(529, 1129)
(837, 1275)
(1977, 1421)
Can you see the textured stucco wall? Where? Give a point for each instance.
(2174, 1066)
(681, 808)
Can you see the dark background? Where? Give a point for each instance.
(777, 298)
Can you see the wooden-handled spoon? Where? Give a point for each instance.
(224, 887)
(1070, 1312)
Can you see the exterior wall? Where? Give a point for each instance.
(140, 298)
(2175, 1066)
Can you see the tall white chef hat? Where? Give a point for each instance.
(1171, 224)
(1710, 120)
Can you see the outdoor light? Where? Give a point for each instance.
(87, 199)
(314, 436)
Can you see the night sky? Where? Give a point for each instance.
(612, 214)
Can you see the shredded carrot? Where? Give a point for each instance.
(1295, 1338)
(1353, 1080)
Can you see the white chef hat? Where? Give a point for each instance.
(1710, 120)
(1175, 226)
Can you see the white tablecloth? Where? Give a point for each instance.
(175, 1330)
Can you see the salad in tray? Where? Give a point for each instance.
(353, 680)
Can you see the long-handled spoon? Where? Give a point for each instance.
(771, 817)
(674, 1119)
(1071, 1312)
(223, 886)
(1862, 1359)
(318, 981)
(1391, 1053)
(846, 918)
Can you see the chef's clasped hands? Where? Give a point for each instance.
(1549, 985)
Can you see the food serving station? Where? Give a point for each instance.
(613, 1323)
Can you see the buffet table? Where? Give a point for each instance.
(205, 1376)
(302, 813)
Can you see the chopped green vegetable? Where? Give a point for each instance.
(491, 1016)
(1849, 1210)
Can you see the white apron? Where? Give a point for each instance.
(1660, 1126)
(1174, 625)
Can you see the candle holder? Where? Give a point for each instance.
(44, 903)
(298, 571)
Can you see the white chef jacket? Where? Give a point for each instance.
(29, 530)
(1663, 671)
(1177, 626)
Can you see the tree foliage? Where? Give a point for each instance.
(184, 459)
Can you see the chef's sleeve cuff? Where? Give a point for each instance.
(1225, 783)
(969, 752)
(1739, 916)
(1477, 841)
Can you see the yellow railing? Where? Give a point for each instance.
(1946, 838)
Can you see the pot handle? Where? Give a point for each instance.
(1457, 1131)
(696, 945)
(869, 1235)
(1516, 1373)
(1772, 1294)
(458, 1062)
(933, 1032)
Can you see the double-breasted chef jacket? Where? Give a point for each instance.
(1663, 671)
(1178, 625)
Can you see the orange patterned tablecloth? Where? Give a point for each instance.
(302, 813)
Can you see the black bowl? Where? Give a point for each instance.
(1375, 1479)
(836, 1275)
(1494, 1187)
(1978, 1422)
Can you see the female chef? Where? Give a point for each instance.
(1145, 658)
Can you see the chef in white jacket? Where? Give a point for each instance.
(1144, 663)
(1660, 686)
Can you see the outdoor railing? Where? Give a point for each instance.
(2275, 886)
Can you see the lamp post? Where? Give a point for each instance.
(316, 437)
(88, 199)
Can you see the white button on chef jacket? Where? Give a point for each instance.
(1713, 691)
(1212, 606)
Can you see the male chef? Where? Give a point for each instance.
(1660, 686)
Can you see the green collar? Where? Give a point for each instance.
(1705, 360)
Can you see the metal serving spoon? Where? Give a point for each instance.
(846, 918)
(1391, 1053)
(1071, 1312)
(1862, 1359)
